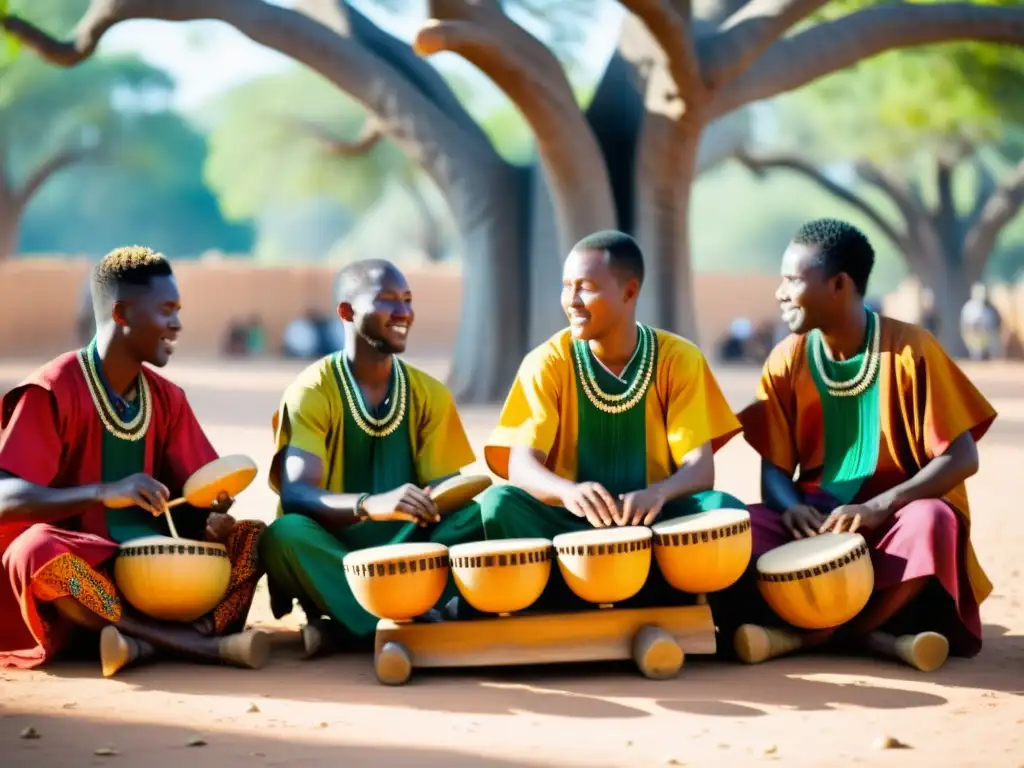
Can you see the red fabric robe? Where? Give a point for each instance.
(51, 435)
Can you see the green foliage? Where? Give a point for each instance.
(154, 195)
(739, 223)
(268, 146)
(143, 181)
(912, 100)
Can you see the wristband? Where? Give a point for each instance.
(358, 508)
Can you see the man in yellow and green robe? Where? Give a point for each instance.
(360, 436)
(609, 422)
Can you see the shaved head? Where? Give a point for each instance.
(375, 301)
(365, 277)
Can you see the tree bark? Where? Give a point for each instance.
(10, 220)
(433, 247)
(533, 79)
(822, 49)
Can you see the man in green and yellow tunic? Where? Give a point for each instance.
(609, 422)
(360, 438)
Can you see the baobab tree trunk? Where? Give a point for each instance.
(495, 308)
(431, 239)
(950, 287)
(10, 219)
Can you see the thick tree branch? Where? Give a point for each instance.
(673, 32)
(832, 46)
(341, 17)
(998, 211)
(760, 164)
(987, 187)
(65, 158)
(368, 138)
(748, 33)
(924, 247)
(531, 76)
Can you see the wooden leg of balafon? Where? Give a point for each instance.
(393, 664)
(657, 654)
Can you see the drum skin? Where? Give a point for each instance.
(605, 565)
(817, 583)
(398, 581)
(705, 552)
(172, 579)
(502, 576)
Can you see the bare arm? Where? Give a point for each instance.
(937, 478)
(778, 491)
(696, 473)
(526, 469)
(301, 476)
(301, 494)
(25, 502)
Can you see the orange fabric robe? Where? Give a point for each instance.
(926, 403)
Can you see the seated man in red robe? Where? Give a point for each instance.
(92, 446)
(880, 427)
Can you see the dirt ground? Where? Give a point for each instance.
(793, 712)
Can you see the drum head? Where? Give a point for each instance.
(703, 521)
(499, 547)
(228, 474)
(456, 492)
(806, 553)
(392, 552)
(603, 536)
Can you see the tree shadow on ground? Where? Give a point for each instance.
(71, 741)
(596, 690)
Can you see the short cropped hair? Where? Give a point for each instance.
(124, 269)
(624, 255)
(357, 278)
(843, 248)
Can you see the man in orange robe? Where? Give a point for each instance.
(92, 446)
(882, 426)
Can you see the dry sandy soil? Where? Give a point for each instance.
(794, 712)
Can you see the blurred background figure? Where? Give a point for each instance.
(981, 326)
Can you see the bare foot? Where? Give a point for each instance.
(249, 649)
(118, 651)
(925, 651)
(755, 644)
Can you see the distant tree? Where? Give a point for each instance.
(151, 192)
(98, 139)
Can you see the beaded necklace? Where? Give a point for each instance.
(373, 427)
(647, 344)
(865, 376)
(135, 428)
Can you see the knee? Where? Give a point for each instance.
(28, 544)
(497, 499)
(720, 500)
(284, 534)
(930, 520)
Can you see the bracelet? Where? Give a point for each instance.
(358, 508)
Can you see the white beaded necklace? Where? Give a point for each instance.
(869, 366)
(613, 403)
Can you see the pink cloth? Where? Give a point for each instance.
(924, 539)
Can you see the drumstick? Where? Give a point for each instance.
(170, 521)
(176, 502)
